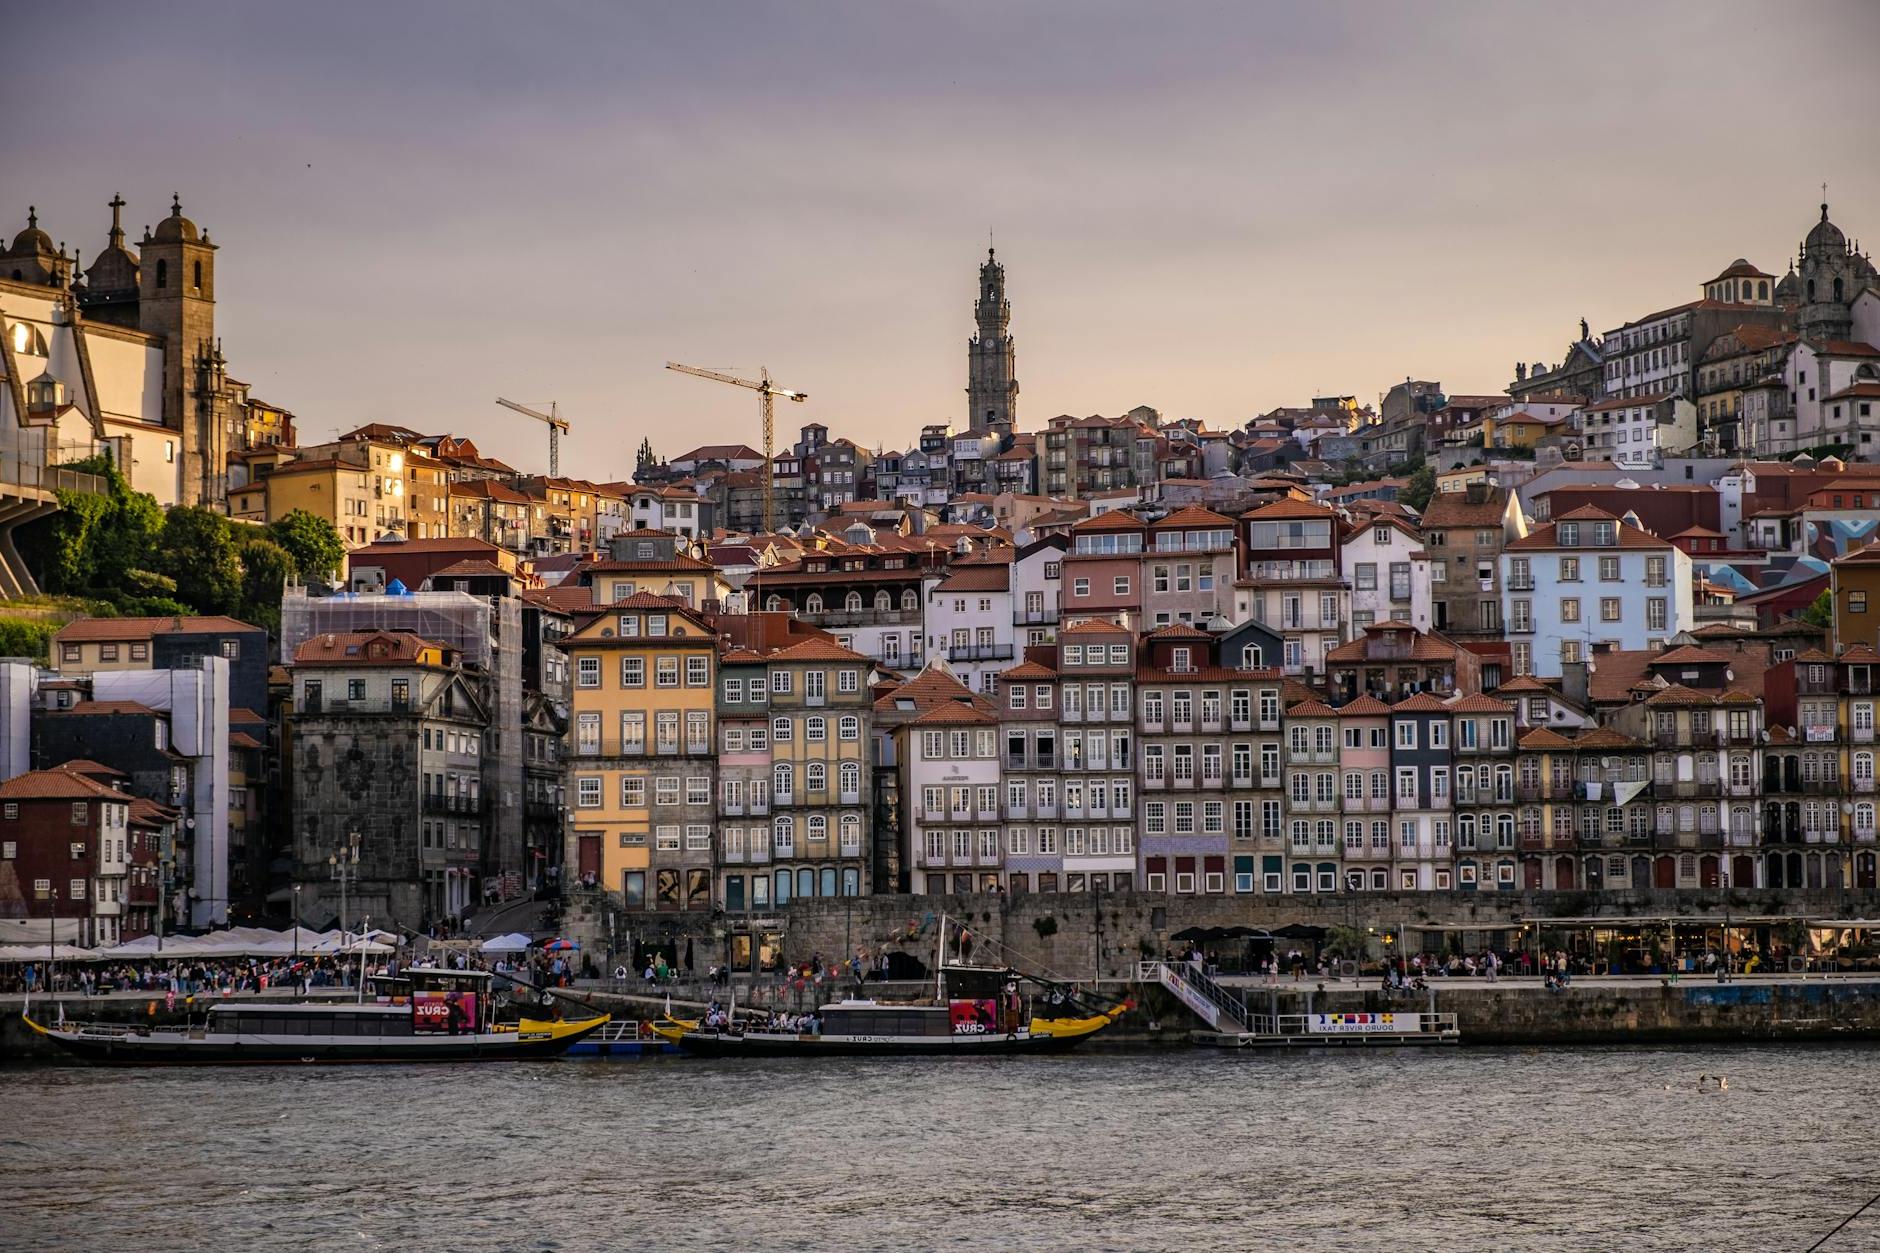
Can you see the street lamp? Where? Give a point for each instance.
(343, 866)
(296, 924)
(52, 938)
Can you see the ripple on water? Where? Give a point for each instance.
(1462, 1150)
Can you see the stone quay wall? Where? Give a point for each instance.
(1061, 934)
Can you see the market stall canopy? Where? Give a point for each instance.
(20, 954)
(514, 942)
(38, 930)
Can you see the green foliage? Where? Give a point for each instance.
(1416, 494)
(311, 542)
(266, 567)
(197, 550)
(1351, 943)
(1821, 613)
(1046, 927)
(27, 637)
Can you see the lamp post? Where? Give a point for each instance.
(343, 866)
(52, 938)
(296, 924)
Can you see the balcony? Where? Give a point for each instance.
(462, 806)
(1035, 617)
(860, 617)
(979, 652)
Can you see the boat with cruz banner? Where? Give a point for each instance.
(975, 1010)
(419, 1015)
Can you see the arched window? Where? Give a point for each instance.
(910, 600)
(780, 730)
(883, 601)
(1837, 291)
(783, 887)
(774, 602)
(27, 341)
(849, 774)
(815, 777)
(852, 602)
(163, 273)
(806, 882)
(851, 826)
(782, 781)
(1811, 291)
(196, 276)
(783, 833)
(816, 827)
(1762, 290)
(1250, 659)
(1863, 767)
(813, 603)
(815, 728)
(850, 728)
(1504, 830)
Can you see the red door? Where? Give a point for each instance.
(1743, 871)
(1665, 873)
(1563, 873)
(1707, 871)
(590, 856)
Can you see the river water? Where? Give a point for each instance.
(1460, 1149)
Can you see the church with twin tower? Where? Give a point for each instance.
(991, 368)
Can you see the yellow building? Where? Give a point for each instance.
(427, 497)
(650, 561)
(642, 773)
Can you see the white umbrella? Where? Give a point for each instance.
(514, 942)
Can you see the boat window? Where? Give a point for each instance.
(395, 1026)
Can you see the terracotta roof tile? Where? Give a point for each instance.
(1029, 670)
(1479, 704)
(1544, 737)
(362, 648)
(1291, 507)
(112, 630)
(1364, 707)
(1420, 703)
(57, 784)
(817, 650)
(1311, 709)
(1193, 515)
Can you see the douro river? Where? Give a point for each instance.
(1456, 1150)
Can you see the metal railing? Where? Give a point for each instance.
(1211, 1002)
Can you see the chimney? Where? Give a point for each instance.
(1573, 683)
(1475, 493)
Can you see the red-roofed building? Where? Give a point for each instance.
(68, 851)
(1292, 579)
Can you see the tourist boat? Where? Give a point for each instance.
(956, 1027)
(416, 1016)
(975, 1010)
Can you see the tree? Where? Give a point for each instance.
(1821, 613)
(198, 550)
(98, 541)
(312, 543)
(266, 567)
(1417, 492)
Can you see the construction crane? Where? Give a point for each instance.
(766, 390)
(557, 427)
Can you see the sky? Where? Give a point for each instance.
(1208, 208)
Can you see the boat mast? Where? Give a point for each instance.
(940, 963)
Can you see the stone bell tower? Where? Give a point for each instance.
(176, 299)
(991, 369)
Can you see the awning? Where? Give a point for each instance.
(21, 954)
(514, 942)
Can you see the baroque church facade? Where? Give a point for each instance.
(121, 357)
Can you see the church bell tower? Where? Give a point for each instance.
(176, 299)
(991, 377)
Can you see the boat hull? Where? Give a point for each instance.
(161, 1048)
(766, 1044)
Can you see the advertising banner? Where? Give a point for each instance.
(973, 1017)
(1343, 1024)
(455, 1012)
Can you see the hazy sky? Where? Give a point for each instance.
(1208, 208)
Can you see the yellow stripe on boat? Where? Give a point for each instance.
(1070, 1028)
(537, 1029)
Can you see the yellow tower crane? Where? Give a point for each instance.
(766, 390)
(557, 427)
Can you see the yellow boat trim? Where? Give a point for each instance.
(1070, 1028)
(536, 1029)
(670, 1028)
